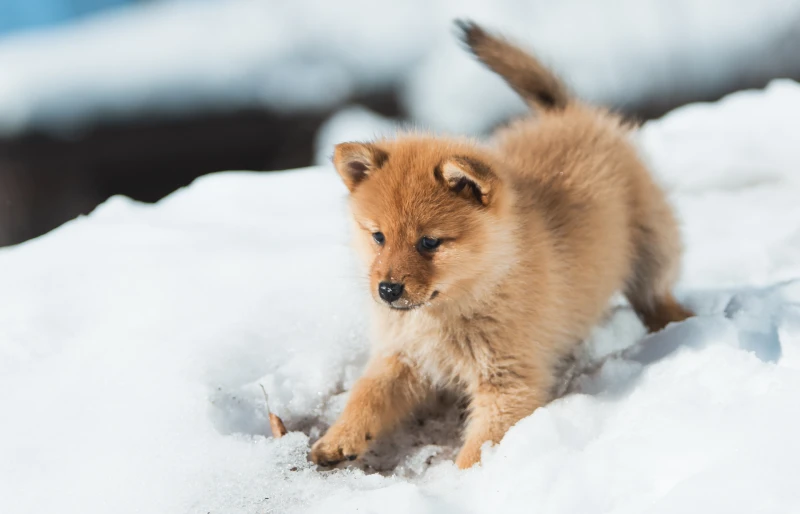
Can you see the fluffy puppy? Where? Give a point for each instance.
(489, 264)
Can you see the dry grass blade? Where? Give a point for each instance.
(275, 423)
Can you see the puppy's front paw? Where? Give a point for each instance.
(339, 444)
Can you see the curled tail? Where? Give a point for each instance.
(524, 73)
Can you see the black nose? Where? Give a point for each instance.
(389, 291)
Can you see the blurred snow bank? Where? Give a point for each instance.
(182, 55)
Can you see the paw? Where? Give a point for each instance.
(339, 444)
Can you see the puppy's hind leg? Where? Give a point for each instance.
(657, 252)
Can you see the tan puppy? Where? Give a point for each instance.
(489, 264)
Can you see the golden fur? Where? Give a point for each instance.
(537, 230)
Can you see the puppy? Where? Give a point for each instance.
(489, 264)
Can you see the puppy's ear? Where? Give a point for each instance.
(356, 161)
(468, 177)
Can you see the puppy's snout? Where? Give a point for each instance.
(390, 291)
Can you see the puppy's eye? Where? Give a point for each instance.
(379, 238)
(429, 244)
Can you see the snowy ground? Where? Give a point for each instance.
(133, 342)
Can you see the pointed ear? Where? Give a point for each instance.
(468, 177)
(356, 161)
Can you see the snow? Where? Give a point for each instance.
(171, 57)
(133, 342)
(354, 123)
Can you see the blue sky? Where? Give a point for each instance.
(17, 15)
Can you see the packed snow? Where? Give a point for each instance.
(133, 343)
(170, 57)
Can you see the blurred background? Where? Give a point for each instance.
(139, 97)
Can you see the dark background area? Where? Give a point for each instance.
(46, 180)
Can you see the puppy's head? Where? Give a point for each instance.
(429, 218)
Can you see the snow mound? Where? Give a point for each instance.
(133, 342)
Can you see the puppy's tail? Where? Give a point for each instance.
(540, 87)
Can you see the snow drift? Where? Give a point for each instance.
(133, 342)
